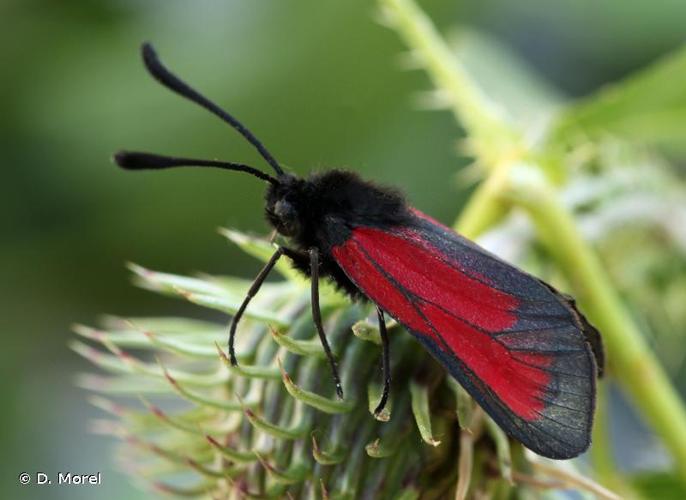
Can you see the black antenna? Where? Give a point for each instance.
(133, 160)
(173, 83)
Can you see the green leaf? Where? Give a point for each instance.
(224, 471)
(248, 371)
(231, 453)
(297, 472)
(133, 338)
(231, 305)
(171, 283)
(203, 488)
(366, 331)
(382, 449)
(131, 419)
(311, 347)
(122, 362)
(262, 250)
(297, 430)
(105, 361)
(321, 403)
(202, 400)
(409, 493)
(201, 347)
(374, 392)
(465, 404)
(125, 385)
(256, 371)
(646, 107)
(660, 485)
(204, 293)
(422, 414)
(168, 453)
(194, 345)
(201, 428)
(330, 457)
(167, 325)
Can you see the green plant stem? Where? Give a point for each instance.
(487, 125)
(631, 360)
(499, 148)
(485, 208)
(481, 119)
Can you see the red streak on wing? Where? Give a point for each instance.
(414, 236)
(422, 272)
(519, 386)
(380, 289)
(435, 299)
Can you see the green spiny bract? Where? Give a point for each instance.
(191, 424)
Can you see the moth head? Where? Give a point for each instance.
(284, 210)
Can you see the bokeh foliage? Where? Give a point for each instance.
(72, 92)
(530, 164)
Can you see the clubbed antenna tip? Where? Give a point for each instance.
(160, 72)
(134, 160)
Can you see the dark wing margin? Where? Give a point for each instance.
(517, 346)
(590, 332)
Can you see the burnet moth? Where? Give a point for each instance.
(520, 348)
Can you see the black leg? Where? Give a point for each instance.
(254, 288)
(386, 362)
(317, 317)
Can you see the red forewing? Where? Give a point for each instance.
(517, 346)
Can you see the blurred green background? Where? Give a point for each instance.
(319, 82)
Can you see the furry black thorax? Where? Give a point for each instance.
(321, 210)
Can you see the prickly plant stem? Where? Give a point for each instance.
(485, 208)
(486, 124)
(635, 366)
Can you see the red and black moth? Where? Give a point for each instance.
(520, 348)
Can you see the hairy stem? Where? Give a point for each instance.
(488, 129)
(499, 148)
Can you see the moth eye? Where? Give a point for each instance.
(288, 218)
(284, 210)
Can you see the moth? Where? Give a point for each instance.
(519, 347)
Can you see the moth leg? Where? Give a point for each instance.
(254, 288)
(385, 362)
(317, 317)
(273, 235)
